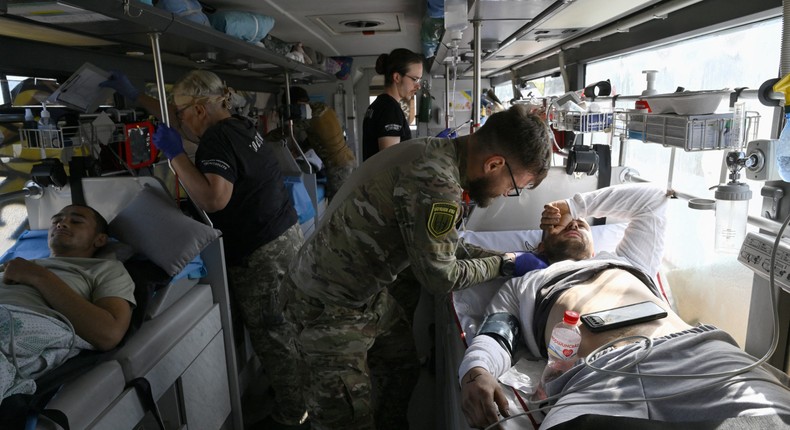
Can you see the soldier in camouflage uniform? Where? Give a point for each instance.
(320, 132)
(236, 179)
(398, 210)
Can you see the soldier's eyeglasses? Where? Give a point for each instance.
(515, 192)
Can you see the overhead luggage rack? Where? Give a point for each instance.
(125, 26)
(689, 132)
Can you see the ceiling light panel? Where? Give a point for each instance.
(590, 13)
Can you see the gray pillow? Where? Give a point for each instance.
(154, 227)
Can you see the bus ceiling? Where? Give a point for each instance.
(515, 39)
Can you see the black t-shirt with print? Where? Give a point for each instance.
(260, 207)
(384, 117)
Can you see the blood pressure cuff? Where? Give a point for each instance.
(502, 327)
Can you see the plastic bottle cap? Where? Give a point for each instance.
(571, 317)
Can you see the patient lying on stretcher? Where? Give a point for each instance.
(62, 304)
(577, 280)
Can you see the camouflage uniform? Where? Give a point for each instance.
(399, 209)
(323, 134)
(255, 287)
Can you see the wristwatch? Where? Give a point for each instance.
(507, 266)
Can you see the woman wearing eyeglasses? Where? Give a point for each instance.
(385, 123)
(236, 179)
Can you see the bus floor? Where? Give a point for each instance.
(257, 403)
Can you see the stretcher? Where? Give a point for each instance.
(180, 365)
(509, 224)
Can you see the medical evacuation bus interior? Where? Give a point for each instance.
(709, 70)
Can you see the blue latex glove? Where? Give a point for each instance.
(168, 141)
(122, 85)
(527, 262)
(446, 133)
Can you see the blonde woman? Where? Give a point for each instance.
(235, 178)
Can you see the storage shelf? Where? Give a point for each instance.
(181, 41)
(582, 122)
(689, 132)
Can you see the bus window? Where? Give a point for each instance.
(547, 86)
(741, 57)
(745, 56)
(504, 93)
(12, 82)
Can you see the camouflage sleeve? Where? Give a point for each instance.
(468, 250)
(427, 214)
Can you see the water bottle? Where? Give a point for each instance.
(562, 351)
(783, 150)
(48, 132)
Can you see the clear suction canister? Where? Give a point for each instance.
(732, 211)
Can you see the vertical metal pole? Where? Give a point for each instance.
(671, 173)
(447, 96)
(220, 290)
(160, 80)
(621, 158)
(4, 88)
(165, 115)
(291, 120)
(784, 60)
(287, 90)
(476, 79)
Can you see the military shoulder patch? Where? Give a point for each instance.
(442, 217)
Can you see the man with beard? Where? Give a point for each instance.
(397, 211)
(577, 280)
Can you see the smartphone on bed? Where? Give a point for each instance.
(622, 316)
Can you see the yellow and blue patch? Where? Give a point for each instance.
(442, 218)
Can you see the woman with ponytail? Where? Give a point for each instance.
(385, 123)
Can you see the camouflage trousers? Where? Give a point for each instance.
(255, 286)
(362, 363)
